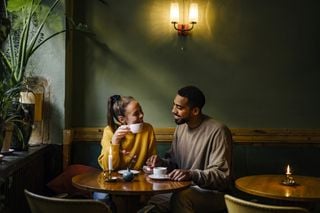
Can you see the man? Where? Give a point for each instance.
(201, 151)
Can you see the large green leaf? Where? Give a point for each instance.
(28, 18)
(20, 5)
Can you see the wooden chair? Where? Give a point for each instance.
(44, 204)
(237, 205)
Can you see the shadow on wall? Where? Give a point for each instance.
(55, 124)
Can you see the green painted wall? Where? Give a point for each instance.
(256, 61)
(48, 62)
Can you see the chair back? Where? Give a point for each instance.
(44, 204)
(237, 205)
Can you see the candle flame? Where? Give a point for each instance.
(288, 170)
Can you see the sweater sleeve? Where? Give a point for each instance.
(152, 149)
(105, 149)
(145, 146)
(217, 171)
(169, 158)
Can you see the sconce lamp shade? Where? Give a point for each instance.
(174, 13)
(193, 13)
(183, 28)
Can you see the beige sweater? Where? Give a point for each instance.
(206, 151)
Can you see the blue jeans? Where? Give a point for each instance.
(106, 198)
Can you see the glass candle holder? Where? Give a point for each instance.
(107, 175)
(289, 180)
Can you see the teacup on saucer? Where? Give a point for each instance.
(159, 171)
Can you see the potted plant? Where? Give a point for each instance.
(27, 18)
(4, 26)
(9, 93)
(10, 115)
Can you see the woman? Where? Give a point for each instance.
(127, 148)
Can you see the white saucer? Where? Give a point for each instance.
(113, 179)
(166, 177)
(131, 170)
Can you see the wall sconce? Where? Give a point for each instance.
(183, 28)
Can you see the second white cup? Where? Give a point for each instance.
(159, 171)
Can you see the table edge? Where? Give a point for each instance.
(255, 193)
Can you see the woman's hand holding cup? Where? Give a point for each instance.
(120, 133)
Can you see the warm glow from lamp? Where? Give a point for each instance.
(183, 28)
(193, 13)
(174, 12)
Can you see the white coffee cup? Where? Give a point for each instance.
(136, 128)
(159, 171)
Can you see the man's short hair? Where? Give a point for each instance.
(195, 96)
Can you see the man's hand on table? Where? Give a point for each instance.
(180, 175)
(176, 175)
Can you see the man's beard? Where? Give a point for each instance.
(180, 121)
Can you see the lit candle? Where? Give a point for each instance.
(288, 170)
(110, 159)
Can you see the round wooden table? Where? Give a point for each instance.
(306, 189)
(130, 192)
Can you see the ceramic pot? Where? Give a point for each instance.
(128, 175)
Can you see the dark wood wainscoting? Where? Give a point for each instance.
(23, 170)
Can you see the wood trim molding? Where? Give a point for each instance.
(240, 135)
(272, 135)
(165, 135)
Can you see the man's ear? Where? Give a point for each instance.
(121, 119)
(195, 111)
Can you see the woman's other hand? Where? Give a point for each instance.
(154, 161)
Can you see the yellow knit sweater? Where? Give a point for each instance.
(142, 145)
